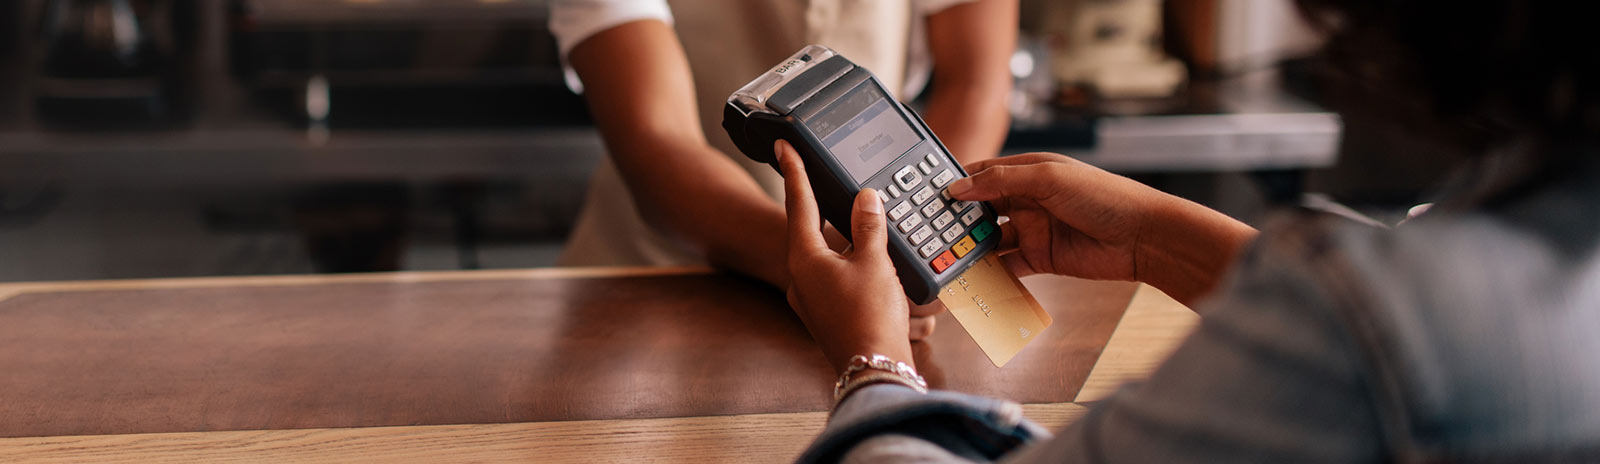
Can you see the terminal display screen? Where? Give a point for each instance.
(864, 131)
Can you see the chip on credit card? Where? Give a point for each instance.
(995, 309)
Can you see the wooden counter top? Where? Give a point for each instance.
(563, 361)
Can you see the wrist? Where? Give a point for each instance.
(864, 370)
(1185, 249)
(760, 252)
(898, 350)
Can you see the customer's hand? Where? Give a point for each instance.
(851, 302)
(1070, 218)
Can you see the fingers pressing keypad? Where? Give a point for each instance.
(928, 219)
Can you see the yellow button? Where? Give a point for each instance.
(964, 246)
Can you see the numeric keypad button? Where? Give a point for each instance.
(944, 178)
(952, 234)
(931, 248)
(910, 223)
(899, 211)
(972, 216)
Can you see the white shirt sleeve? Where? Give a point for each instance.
(573, 21)
(927, 7)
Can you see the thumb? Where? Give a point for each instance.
(869, 235)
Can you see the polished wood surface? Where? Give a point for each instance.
(196, 355)
(744, 438)
(1151, 328)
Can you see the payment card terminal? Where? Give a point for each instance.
(852, 134)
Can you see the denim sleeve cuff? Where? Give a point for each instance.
(969, 426)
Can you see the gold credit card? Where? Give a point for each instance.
(995, 309)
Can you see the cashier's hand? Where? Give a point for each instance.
(852, 301)
(1070, 218)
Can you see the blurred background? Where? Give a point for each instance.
(162, 138)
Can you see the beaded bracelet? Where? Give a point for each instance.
(870, 379)
(897, 372)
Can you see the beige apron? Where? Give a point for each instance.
(729, 42)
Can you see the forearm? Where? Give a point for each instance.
(753, 244)
(971, 44)
(1186, 249)
(641, 93)
(709, 203)
(970, 118)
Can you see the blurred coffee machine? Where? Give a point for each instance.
(1111, 48)
(109, 62)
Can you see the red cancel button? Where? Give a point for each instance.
(943, 261)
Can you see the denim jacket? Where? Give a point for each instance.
(1469, 334)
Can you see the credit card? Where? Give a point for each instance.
(995, 309)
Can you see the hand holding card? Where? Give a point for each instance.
(995, 309)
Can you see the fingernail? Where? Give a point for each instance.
(960, 186)
(777, 153)
(873, 204)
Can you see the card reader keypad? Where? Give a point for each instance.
(941, 229)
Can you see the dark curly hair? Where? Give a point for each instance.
(1475, 73)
